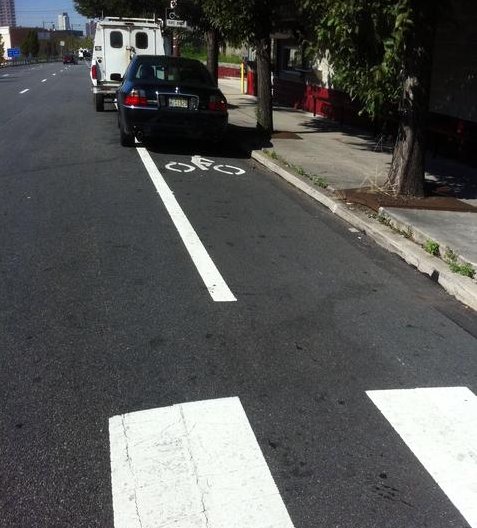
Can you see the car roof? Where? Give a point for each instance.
(166, 59)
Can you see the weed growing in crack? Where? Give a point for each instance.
(462, 268)
(432, 247)
(317, 180)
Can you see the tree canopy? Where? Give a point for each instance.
(364, 41)
(31, 45)
(2, 49)
(137, 8)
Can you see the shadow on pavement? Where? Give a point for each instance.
(450, 178)
(445, 177)
(237, 143)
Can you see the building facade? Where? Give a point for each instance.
(7, 13)
(64, 22)
(452, 122)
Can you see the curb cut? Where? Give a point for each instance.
(462, 288)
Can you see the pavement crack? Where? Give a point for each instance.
(130, 464)
(194, 467)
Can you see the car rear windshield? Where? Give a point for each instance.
(176, 72)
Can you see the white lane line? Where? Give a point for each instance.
(195, 465)
(25, 91)
(439, 425)
(6, 75)
(44, 80)
(53, 74)
(211, 276)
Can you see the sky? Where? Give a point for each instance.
(37, 12)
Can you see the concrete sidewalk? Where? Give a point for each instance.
(318, 153)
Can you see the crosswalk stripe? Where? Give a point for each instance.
(439, 425)
(194, 465)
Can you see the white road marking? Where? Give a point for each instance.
(53, 74)
(439, 425)
(6, 75)
(176, 167)
(211, 276)
(195, 465)
(229, 169)
(25, 91)
(44, 80)
(202, 163)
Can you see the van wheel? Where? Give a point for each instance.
(99, 102)
(126, 139)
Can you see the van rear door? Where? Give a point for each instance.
(144, 41)
(118, 45)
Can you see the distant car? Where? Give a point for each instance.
(69, 59)
(169, 97)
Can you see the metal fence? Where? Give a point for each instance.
(13, 63)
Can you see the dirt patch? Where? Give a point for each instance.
(375, 199)
(284, 134)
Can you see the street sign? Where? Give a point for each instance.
(173, 20)
(176, 23)
(13, 52)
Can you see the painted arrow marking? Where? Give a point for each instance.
(439, 425)
(195, 465)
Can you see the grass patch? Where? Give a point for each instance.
(199, 54)
(456, 266)
(385, 220)
(432, 247)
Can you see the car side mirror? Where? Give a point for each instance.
(116, 77)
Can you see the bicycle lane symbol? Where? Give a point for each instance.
(203, 164)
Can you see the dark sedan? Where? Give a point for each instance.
(169, 97)
(69, 59)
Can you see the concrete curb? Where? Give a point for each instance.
(463, 288)
(418, 235)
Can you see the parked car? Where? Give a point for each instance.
(169, 97)
(69, 59)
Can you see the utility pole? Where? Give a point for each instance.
(175, 35)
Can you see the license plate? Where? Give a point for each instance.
(178, 102)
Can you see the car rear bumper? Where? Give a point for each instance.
(175, 124)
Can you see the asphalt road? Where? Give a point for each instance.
(103, 312)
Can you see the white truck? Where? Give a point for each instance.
(116, 42)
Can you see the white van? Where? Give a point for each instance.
(116, 42)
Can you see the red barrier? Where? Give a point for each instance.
(229, 71)
(251, 83)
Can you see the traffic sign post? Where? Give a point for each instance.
(173, 20)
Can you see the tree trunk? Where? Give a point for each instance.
(264, 87)
(406, 175)
(212, 39)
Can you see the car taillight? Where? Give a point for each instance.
(217, 104)
(136, 98)
(94, 71)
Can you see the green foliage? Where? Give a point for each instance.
(432, 247)
(2, 49)
(249, 20)
(31, 45)
(365, 40)
(320, 181)
(200, 53)
(137, 8)
(462, 268)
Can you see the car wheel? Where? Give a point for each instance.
(99, 102)
(126, 139)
